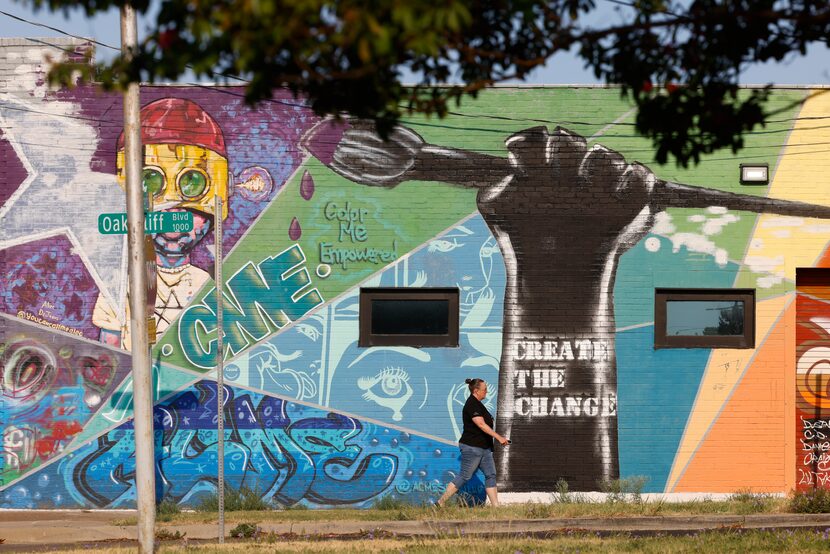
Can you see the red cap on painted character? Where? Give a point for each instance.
(179, 121)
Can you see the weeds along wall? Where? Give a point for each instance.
(528, 201)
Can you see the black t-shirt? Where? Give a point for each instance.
(472, 435)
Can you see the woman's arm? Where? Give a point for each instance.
(479, 421)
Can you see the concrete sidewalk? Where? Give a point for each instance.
(60, 528)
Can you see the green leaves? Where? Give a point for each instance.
(690, 122)
(349, 56)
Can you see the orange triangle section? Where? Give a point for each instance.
(724, 372)
(747, 443)
(824, 260)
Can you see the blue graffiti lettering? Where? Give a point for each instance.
(316, 459)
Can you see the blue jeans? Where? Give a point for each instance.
(473, 458)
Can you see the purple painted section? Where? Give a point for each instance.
(43, 281)
(13, 171)
(266, 136)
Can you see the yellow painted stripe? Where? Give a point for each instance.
(780, 244)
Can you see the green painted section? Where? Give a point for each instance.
(718, 171)
(485, 123)
(748, 279)
(591, 112)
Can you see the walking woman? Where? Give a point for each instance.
(476, 444)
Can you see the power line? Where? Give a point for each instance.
(498, 152)
(453, 113)
(501, 131)
(629, 152)
(241, 137)
(55, 29)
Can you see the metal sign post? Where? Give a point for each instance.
(145, 478)
(220, 371)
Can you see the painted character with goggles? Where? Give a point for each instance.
(185, 166)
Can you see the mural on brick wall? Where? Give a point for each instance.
(562, 215)
(52, 385)
(555, 244)
(287, 452)
(319, 359)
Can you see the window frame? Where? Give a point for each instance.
(367, 338)
(664, 295)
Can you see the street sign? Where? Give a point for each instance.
(154, 223)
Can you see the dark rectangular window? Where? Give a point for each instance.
(704, 318)
(409, 317)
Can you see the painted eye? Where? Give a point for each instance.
(390, 388)
(27, 372)
(192, 183)
(152, 180)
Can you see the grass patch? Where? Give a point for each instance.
(388, 503)
(725, 541)
(245, 531)
(629, 489)
(816, 501)
(563, 495)
(168, 535)
(538, 510)
(748, 502)
(577, 507)
(246, 505)
(395, 508)
(236, 500)
(166, 509)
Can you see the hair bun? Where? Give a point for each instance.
(468, 381)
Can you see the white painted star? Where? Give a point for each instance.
(61, 194)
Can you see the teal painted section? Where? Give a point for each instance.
(657, 389)
(642, 270)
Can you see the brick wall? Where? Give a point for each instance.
(528, 201)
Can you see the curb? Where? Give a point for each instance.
(57, 534)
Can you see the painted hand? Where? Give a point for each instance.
(573, 195)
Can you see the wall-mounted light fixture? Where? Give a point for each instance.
(754, 174)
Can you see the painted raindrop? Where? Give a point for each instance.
(294, 230)
(307, 186)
